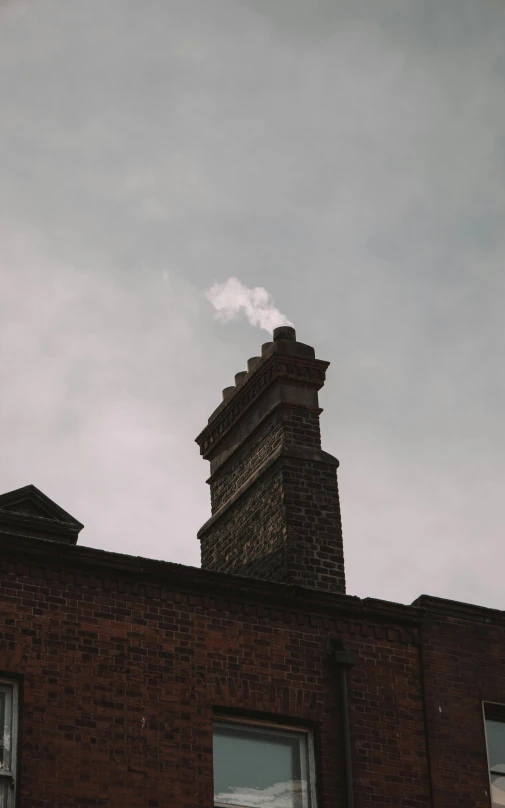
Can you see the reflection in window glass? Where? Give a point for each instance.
(260, 767)
(495, 735)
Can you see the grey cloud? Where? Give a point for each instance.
(346, 156)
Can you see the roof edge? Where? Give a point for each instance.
(89, 560)
(433, 605)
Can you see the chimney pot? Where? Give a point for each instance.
(265, 348)
(285, 332)
(227, 392)
(240, 376)
(252, 362)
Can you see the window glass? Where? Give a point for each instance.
(260, 767)
(495, 735)
(8, 727)
(5, 727)
(5, 793)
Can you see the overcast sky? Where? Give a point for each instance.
(348, 156)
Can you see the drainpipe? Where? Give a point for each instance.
(342, 658)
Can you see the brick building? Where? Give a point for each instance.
(256, 680)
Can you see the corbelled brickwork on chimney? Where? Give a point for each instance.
(274, 495)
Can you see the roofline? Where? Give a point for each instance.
(435, 606)
(91, 561)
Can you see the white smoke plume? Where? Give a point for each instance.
(232, 298)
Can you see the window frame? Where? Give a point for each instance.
(492, 711)
(293, 728)
(10, 776)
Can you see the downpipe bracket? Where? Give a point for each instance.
(338, 654)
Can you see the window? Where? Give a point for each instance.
(8, 740)
(495, 737)
(259, 765)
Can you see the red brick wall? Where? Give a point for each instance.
(464, 661)
(120, 679)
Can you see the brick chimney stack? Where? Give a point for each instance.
(274, 495)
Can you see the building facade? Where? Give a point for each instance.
(256, 681)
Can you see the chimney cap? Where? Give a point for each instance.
(285, 332)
